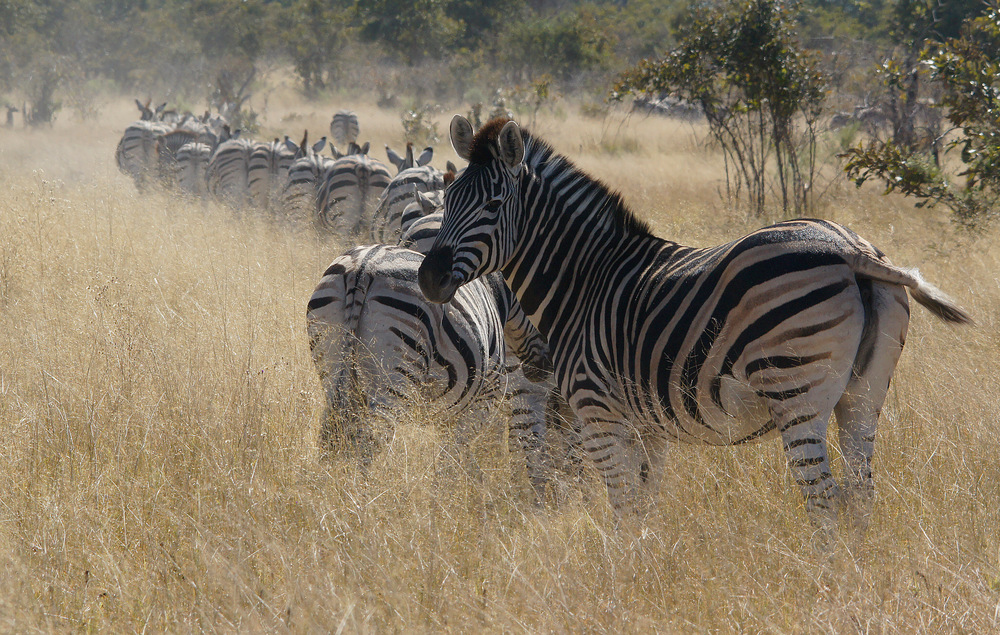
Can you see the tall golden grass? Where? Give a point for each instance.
(159, 468)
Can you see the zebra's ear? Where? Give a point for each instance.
(511, 145)
(319, 145)
(461, 136)
(394, 158)
(425, 156)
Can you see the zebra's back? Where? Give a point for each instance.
(192, 168)
(347, 197)
(367, 317)
(228, 172)
(136, 153)
(300, 192)
(344, 129)
(267, 172)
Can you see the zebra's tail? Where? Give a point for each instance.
(334, 315)
(935, 300)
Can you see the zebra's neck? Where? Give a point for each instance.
(573, 232)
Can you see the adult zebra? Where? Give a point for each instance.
(347, 197)
(767, 335)
(376, 341)
(137, 152)
(269, 165)
(229, 171)
(300, 193)
(344, 128)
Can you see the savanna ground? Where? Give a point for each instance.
(159, 467)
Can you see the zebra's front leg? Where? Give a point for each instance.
(527, 430)
(617, 453)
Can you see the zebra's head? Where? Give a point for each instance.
(478, 233)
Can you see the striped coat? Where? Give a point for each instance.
(377, 344)
(349, 192)
(765, 336)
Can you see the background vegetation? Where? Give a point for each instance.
(159, 466)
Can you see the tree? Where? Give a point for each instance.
(314, 34)
(761, 93)
(412, 29)
(968, 69)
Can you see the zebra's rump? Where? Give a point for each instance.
(368, 313)
(347, 197)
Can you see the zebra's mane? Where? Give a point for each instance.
(539, 156)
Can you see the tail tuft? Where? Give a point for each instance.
(939, 304)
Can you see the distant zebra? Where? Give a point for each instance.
(191, 176)
(137, 153)
(348, 195)
(344, 129)
(229, 172)
(267, 170)
(764, 336)
(300, 193)
(386, 217)
(376, 342)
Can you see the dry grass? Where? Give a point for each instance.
(159, 468)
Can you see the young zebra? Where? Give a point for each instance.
(765, 336)
(348, 195)
(376, 341)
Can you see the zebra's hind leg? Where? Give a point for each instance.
(887, 317)
(803, 433)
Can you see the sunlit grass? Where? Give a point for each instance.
(159, 415)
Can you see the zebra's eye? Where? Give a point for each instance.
(493, 205)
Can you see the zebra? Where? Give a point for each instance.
(347, 196)
(398, 194)
(269, 167)
(300, 193)
(191, 165)
(765, 336)
(137, 154)
(229, 171)
(375, 341)
(344, 128)
(420, 222)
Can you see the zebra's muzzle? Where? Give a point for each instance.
(437, 281)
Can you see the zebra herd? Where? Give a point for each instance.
(376, 341)
(205, 157)
(521, 277)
